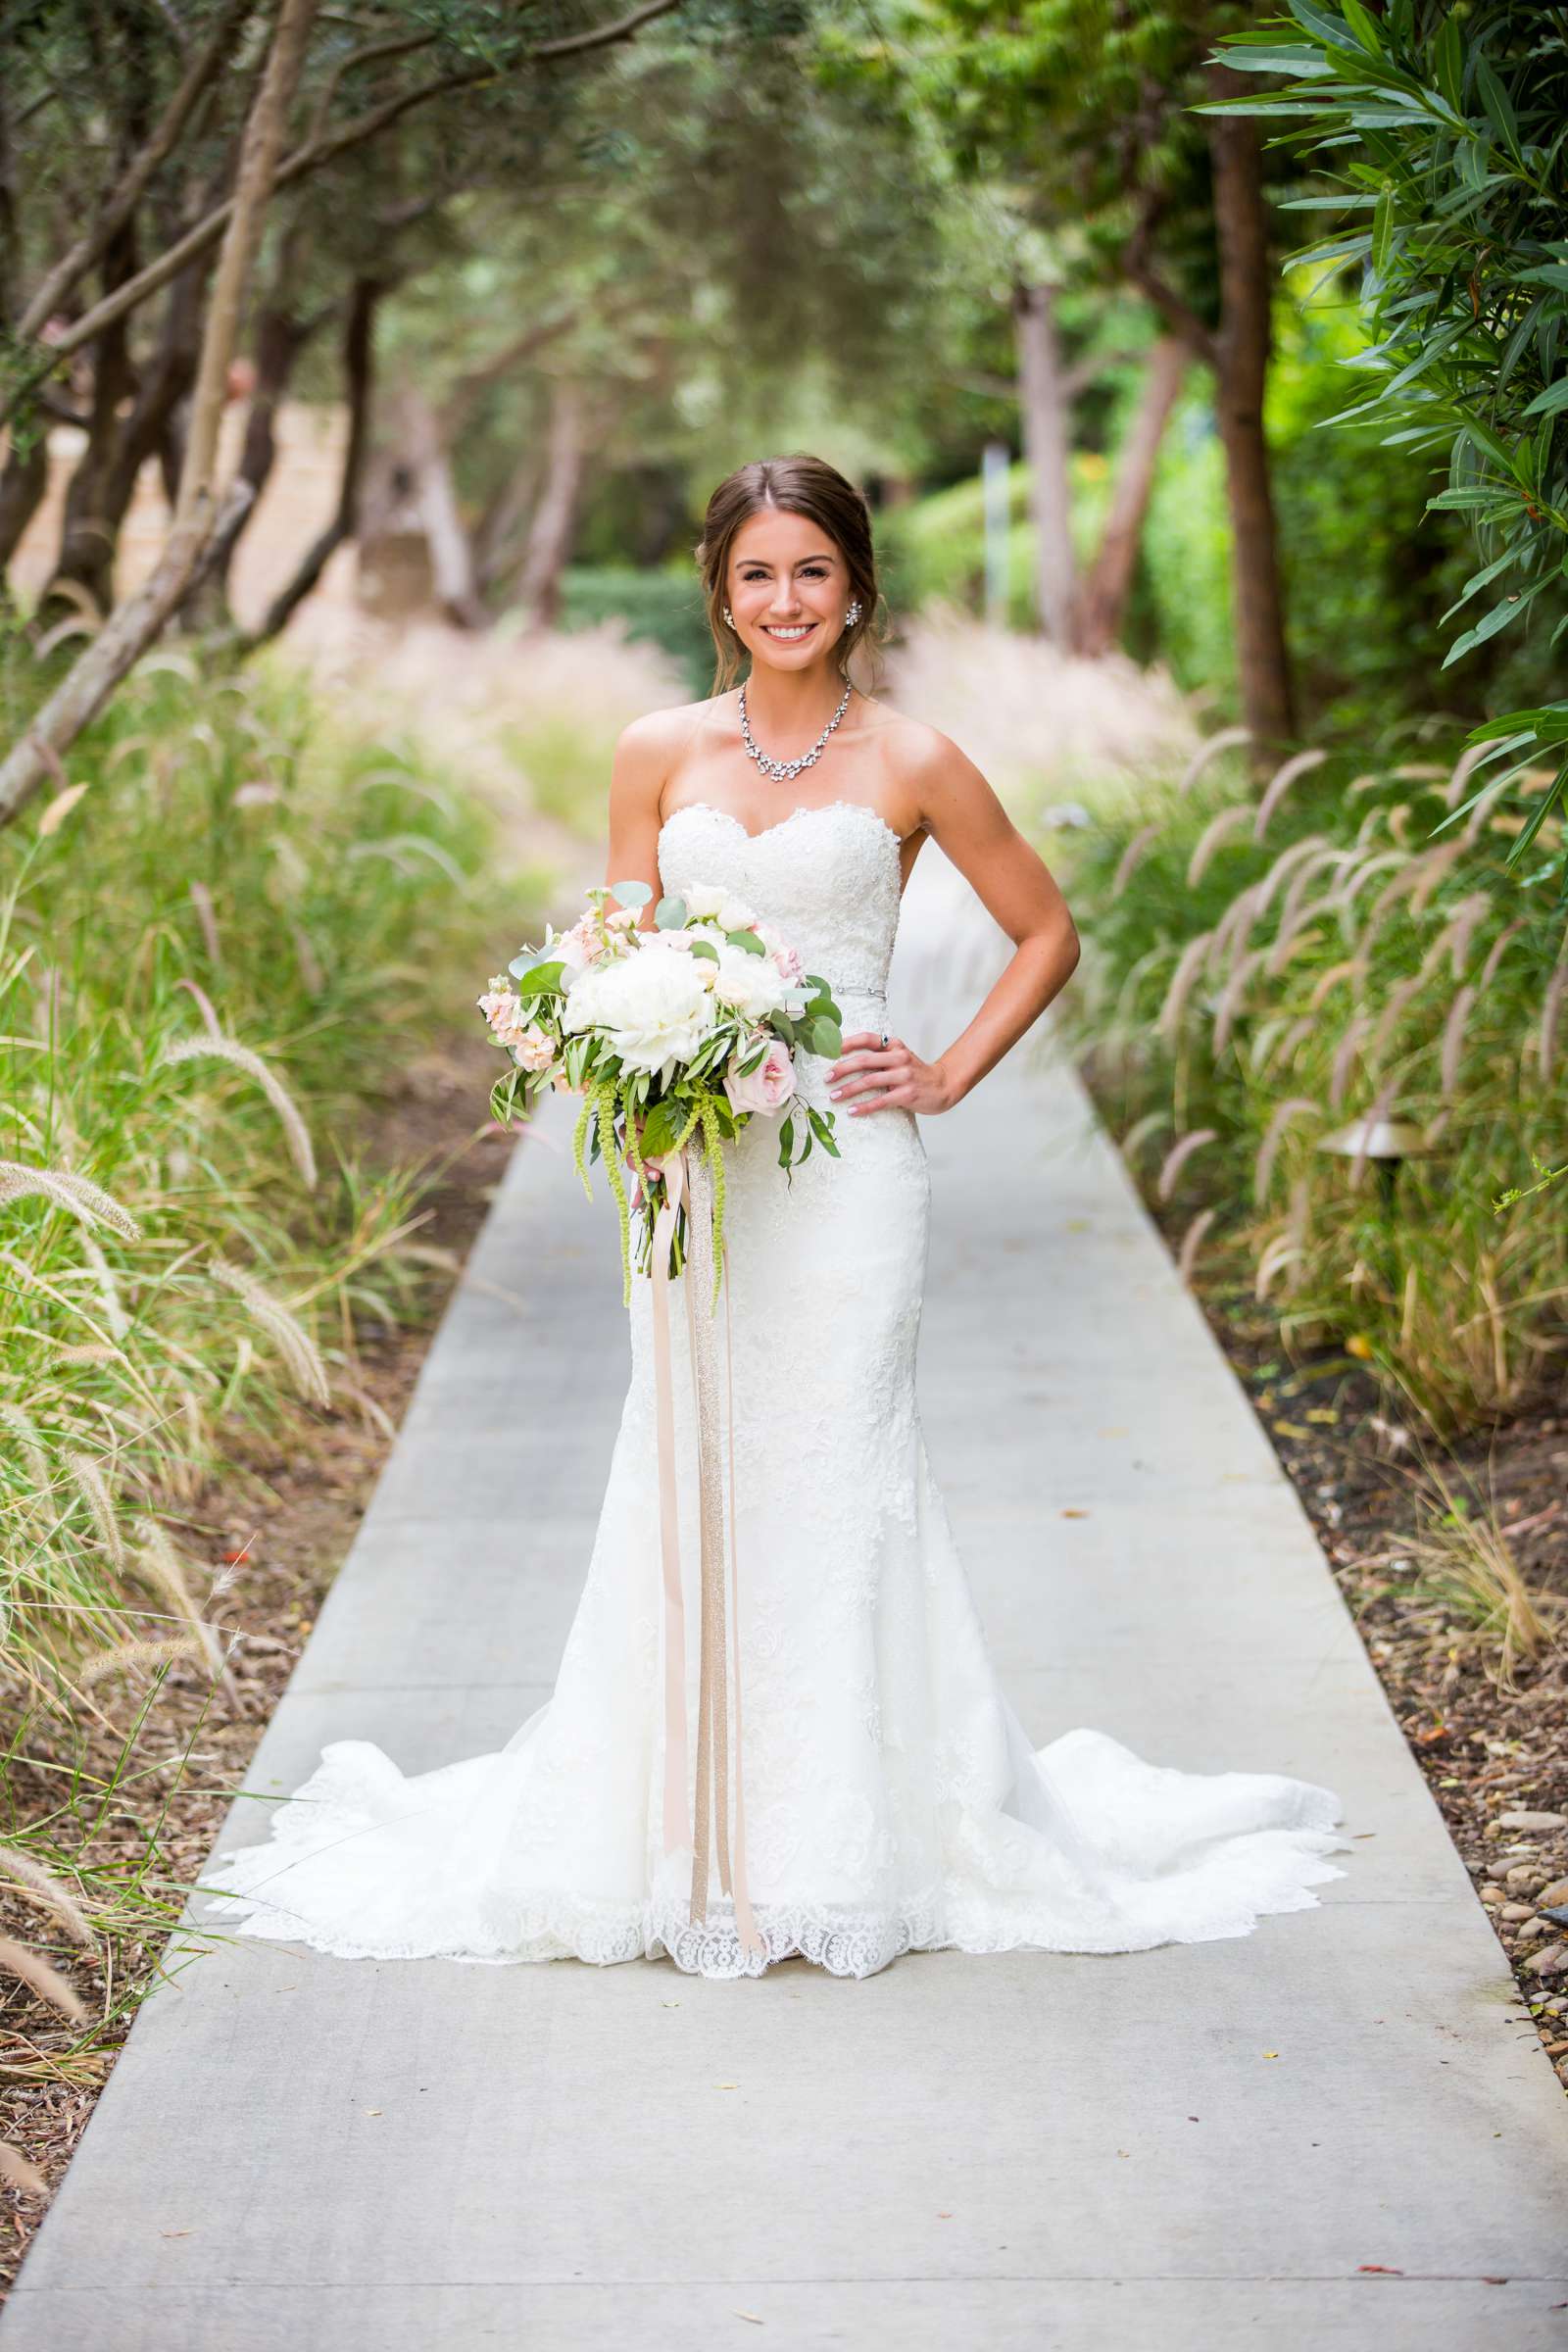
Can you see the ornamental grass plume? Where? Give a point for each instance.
(161, 1565)
(230, 1049)
(1176, 1159)
(1301, 763)
(1351, 962)
(127, 1655)
(1547, 1033)
(294, 1344)
(1225, 822)
(30, 1872)
(46, 1981)
(77, 1195)
(18, 2175)
(91, 1486)
(1294, 1107)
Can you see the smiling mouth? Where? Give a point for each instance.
(791, 635)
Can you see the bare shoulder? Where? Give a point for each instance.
(658, 737)
(646, 754)
(928, 770)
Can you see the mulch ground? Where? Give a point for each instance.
(1494, 1747)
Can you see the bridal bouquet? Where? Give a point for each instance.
(675, 1037)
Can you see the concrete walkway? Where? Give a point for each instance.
(1202, 2146)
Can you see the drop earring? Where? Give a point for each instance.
(729, 617)
(852, 615)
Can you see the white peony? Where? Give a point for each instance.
(655, 1008)
(706, 901)
(752, 985)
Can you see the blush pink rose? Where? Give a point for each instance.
(768, 1087)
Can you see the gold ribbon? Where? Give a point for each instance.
(687, 1178)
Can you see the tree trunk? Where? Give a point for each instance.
(1045, 407)
(1106, 591)
(452, 569)
(358, 368)
(497, 549)
(134, 624)
(85, 566)
(1240, 366)
(280, 338)
(24, 480)
(555, 516)
(88, 558)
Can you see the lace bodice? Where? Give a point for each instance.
(826, 878)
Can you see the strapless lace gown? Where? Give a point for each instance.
(893, 1799)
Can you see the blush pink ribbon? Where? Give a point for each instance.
(687, 1182)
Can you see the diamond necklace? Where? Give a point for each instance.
(781, 770)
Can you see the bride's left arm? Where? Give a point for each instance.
(963, 814)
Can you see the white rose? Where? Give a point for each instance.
(735, 915)
(752, 985)
(654, 1008)
(702, 901)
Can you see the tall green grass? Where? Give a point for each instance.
(218, 940)
(1265, 965)
(211, 962)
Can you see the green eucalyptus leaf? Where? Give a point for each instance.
(537, 979)
(631, 894)
(747, 941)
(827, 1039)
(706, 949)
(669, 915)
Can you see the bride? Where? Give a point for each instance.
(891, 1798)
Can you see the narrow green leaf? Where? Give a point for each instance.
(1547, 403)
(1365, 27)
(1447, 56)
(822, 1129)
(1498, 104)
(1495, 621)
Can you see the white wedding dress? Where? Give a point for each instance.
(893, 1799)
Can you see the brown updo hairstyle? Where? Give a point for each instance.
(800, 485)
